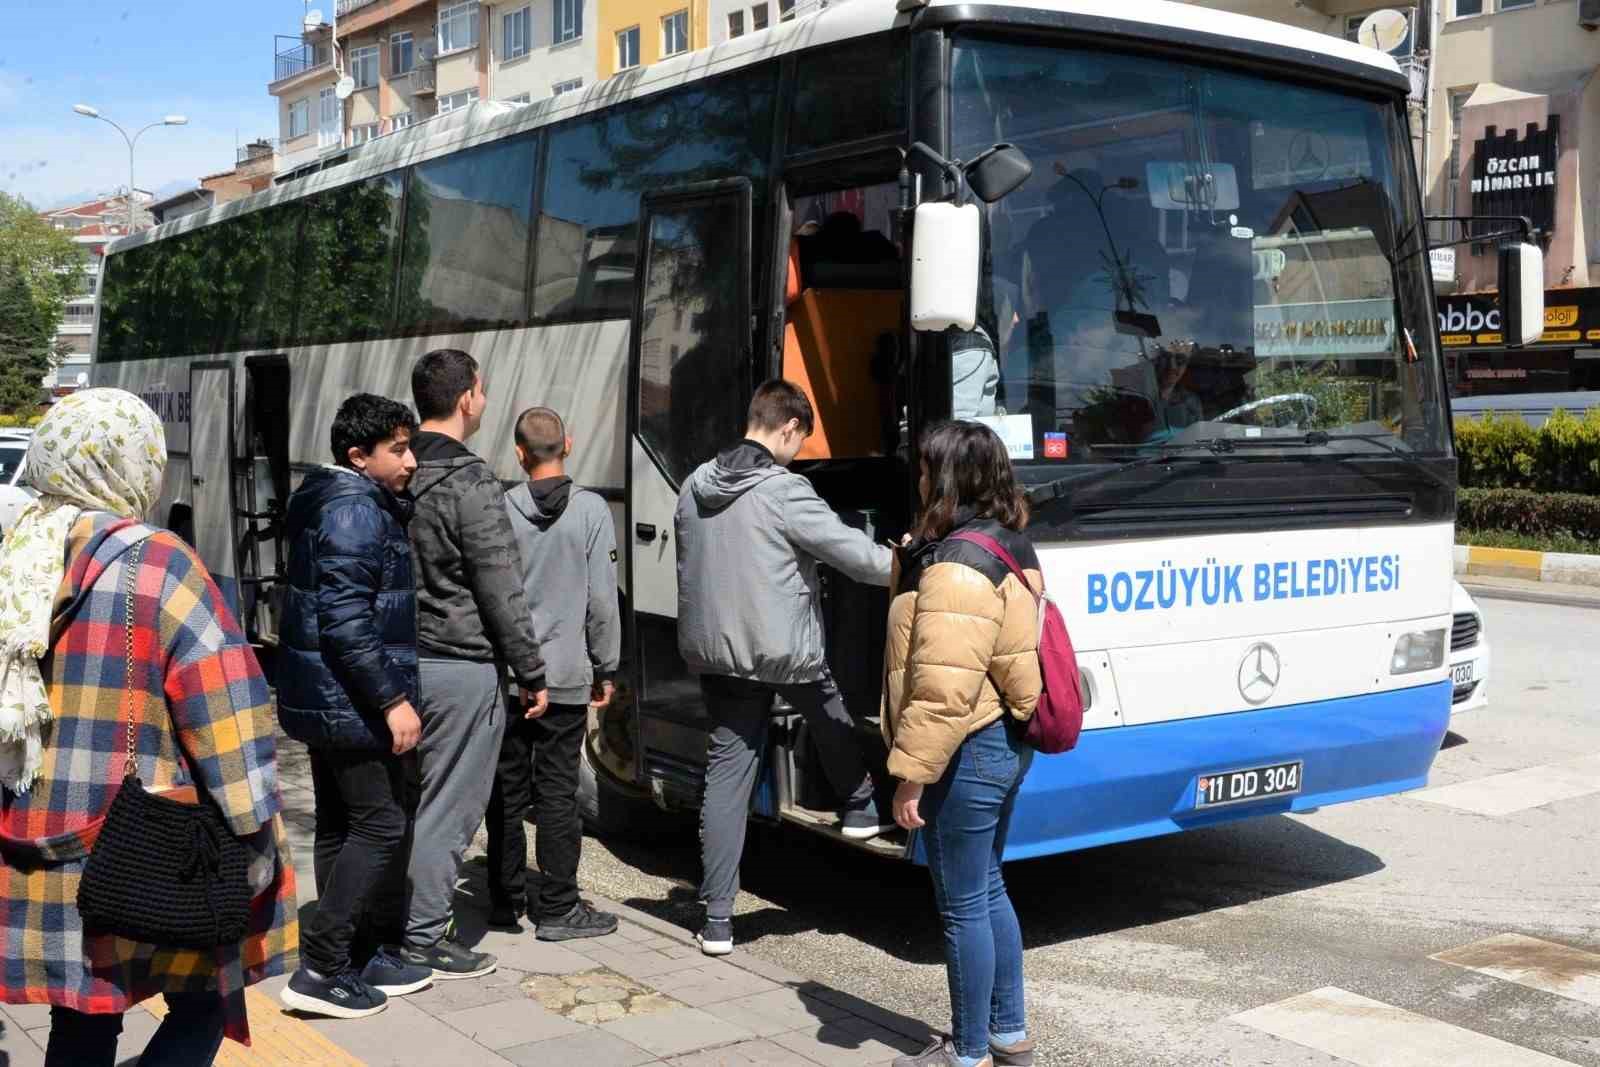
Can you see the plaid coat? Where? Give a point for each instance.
(204, 717)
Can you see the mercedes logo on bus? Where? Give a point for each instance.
(1258, 673)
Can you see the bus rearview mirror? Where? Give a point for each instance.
(998, 172)
(1521, 292)
(944, 267)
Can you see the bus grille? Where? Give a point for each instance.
(1464, 631)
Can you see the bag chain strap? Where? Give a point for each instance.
(130, 768)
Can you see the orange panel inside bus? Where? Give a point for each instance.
(828, 345)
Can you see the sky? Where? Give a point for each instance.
(136, 61)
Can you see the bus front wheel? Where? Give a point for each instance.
(612, 808)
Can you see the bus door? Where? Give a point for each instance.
(264, 492)
(690, 382)
(211, 466)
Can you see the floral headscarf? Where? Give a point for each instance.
(97, 450)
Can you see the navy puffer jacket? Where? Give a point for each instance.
(348, 646)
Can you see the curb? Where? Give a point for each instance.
(1567, 568)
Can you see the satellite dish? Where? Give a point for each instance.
(1384, 30)
(313, 20)
(346, 86)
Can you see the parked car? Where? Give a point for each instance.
(1469, 655)
(14, 493)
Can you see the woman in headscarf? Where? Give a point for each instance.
(204, 719)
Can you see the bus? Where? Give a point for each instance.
(1175, 257)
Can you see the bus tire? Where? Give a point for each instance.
(614, 809)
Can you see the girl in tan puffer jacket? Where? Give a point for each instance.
(962, 669)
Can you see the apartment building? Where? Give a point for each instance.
(92, 224)
(1505, 119)
(543, 48)
(310, 116)
(735, 18)
(637, 33)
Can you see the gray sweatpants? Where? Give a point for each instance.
(740, 714)
(462, 707)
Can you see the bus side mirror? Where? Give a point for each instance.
(998, 172)
(944, 267)
(1521, 293)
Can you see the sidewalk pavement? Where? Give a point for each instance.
(1561, 568)
(1531, 591)
(642, 996)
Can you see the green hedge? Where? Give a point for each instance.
(1526, 512)
(1504, 452)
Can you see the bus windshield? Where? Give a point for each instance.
(1198, 254)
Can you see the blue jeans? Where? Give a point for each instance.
(189, 1036)
(968, 812)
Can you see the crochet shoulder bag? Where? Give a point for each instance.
(165, 869)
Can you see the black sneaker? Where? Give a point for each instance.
(389, 974)
(716, 937)
(863, 823)
(582, 921)
(505, 916)
(344, 996)
(450, 960)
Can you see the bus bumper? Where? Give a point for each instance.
(1124, 783)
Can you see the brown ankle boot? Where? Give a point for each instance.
(1017, 1055)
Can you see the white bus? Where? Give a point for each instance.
(1203, 324)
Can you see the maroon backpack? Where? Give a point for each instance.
(1058, 718)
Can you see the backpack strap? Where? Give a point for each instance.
(998, 551)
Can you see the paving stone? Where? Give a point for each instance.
(777, 1011)
(848, 1043)
(404, 1036)
(594, 1048)
(510, 1023)
(27, 1016)
(18, 1049)
(460, 994)
(645, 965)
(709, 985)
(867, 1012)
(745, 1052)
(527, 953)
(676, 1031)
(595, 1014)
(765, 968)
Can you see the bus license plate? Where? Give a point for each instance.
(1252, 783)
(1461, 673)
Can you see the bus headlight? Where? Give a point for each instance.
(1420, 650)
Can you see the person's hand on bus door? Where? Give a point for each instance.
(535, 704)
(404, 727)
(907, 796)
(600, 695)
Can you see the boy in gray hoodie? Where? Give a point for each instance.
(569, 577)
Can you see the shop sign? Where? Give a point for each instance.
(1338, 327)
(1515, 174)
(1443, 262)
(1472, 320)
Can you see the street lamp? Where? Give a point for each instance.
(170, 120)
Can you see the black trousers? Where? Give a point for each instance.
(362, 841)
(538, 770)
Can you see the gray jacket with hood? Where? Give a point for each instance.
(569, 576)
(750, 536)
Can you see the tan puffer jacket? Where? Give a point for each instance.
(963, 648)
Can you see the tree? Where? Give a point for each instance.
(40, 268)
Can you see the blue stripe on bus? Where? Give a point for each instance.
(1129, 782)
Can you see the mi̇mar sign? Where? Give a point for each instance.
(1472, 320)
(1515, 174)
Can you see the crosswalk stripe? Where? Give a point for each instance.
(1371, 1033)
(1528, 961)
(1514, 791)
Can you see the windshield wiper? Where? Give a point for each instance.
(1216, 447)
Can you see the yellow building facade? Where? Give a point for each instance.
(637, 33)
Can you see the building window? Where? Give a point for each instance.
(458, 27)
(628, 48)
(758, 17)
(736, 24)
(364, 66)
(1507, 5)
(1463, 8)
(675, 33)
(785, 10)
(330, 119)
(569, 20)
(1453, 205)
(402, 54)
(572, 85)
(516, 26)
(363, 133)
(300, 118)
(457, 101)
(520, 98)
(403, 121)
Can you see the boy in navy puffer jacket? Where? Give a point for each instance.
(347, 680)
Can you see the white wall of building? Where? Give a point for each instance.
(546, 63)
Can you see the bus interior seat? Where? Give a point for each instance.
(829, 343)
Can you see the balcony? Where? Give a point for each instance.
(294, 56)
(344, 7)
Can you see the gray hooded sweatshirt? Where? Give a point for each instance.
(750, 536)
(569, 575)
